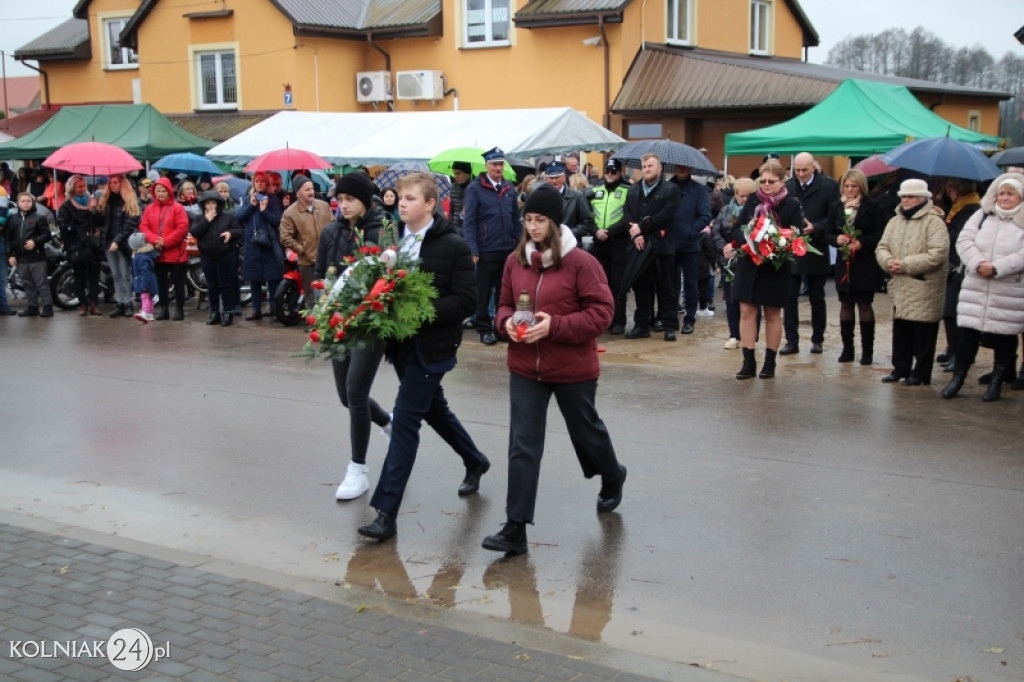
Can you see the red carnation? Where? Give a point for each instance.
(377, 306)
(310, 320)
(335, 320)
(317, 284)
(340, 335)
(400, 274)
(314, 336)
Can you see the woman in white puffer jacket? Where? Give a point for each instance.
(991, 248)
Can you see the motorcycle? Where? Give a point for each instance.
(62, 283)
(289, 300)
(14, 283)
(195, 279)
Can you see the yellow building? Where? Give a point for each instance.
(691, 70)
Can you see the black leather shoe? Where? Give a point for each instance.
(511, 539)
(687, 328)
(611, 493)
(179, 315)
(891, 378)
(636, 333)
(817, 349)
(658, 326)
(617, 329)
(162, 315)
(227, 320)
(488, 339)
(943, 358)
(382, 528)
(214, 318)
(254, 315)
(789, 349)
(670, 335)
(471, 483)
(914, 381)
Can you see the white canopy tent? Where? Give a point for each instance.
(356, 139)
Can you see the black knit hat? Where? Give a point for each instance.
(547, 201)
(357, 184)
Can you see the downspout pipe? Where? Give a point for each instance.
(606, 119)
(387, 61)
(46, 81)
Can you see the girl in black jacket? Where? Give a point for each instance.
(218, 235)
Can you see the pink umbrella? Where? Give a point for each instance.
(873, 165)
(287, 159)
(92, 158)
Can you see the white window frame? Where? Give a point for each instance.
(675, 8)
(485, 18)
(974, 120)
(761, 24)
(200, 51)
(129, 58)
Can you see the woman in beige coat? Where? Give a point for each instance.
(914, 250)
(991, 302)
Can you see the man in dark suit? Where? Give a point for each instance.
(650, 211)
(816, 193)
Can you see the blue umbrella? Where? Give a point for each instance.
(239, 186)
(187, 162)
(943, 157)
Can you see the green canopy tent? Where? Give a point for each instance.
(859, 118)
(139, 129)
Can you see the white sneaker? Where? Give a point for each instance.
(355, 483)
(732, 343)
(144, 317)
(704, 312)
(386, 430)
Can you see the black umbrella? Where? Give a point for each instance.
(1014, 156)
(943, 156)
(637, 261)
(670, 153)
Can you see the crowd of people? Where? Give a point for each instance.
(567, 249)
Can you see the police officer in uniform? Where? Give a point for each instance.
(611, 240)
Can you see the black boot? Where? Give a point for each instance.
(749, 368)
(768, 369)
(31, 311)
(995, 387)
(118, 310)
(611, 492)
(214, 317)
(179, 314)
(164, 314)
(47, 311)
(228, 319)
(954, 385)
(846, 333)
(129, 310)
(867, 342)
(1018, 383)
(511, 539)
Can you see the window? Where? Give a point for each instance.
(679, 21)
(487, 23)
(760, 26)
(643, 131)
(974, 120)
(218, 88)
(118, 57)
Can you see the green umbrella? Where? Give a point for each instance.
(442, 163)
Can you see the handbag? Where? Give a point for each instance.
(261, 237)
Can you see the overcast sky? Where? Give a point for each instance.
(990, 23)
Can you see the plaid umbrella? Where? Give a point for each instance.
(671, 153)
(390, 175)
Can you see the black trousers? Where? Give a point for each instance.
(176, 273)
(658, 278)
(688, 265)
(528, 400)
(913, 348)
(221, 280)
(816, 295)
(612, 256)
(488, 278)
(87, 282)
(1004, 346)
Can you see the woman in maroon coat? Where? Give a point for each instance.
(165, 225)
(571, 306)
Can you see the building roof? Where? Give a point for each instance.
(546, 13)
(351, 20)
(663, 78)
(219, 126)
(22, 94)
(69, 40)
(23, 124)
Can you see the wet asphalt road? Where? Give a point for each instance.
(819, 526)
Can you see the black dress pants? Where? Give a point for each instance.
(913, 348)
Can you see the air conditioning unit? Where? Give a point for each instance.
(373, 86)
(420, 85)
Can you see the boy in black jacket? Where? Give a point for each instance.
(27, 233)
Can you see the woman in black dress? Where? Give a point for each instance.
(764, 286)
(858, 276)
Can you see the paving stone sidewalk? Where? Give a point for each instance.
(73, 587)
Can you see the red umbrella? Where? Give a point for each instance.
(287, 159)
(873, 165)
(92, 158)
